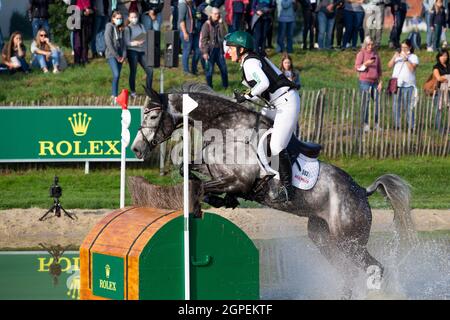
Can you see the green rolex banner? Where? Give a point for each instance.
(32, 134)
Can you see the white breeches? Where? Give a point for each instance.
(285, 118)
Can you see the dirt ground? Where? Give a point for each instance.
(20, 228)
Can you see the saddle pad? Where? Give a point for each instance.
(305, 172)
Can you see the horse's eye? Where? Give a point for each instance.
(153, 117)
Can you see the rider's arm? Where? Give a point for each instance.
(253, 71)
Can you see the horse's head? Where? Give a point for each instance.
(156, 127)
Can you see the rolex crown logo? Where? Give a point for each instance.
(107, 271)
(79, 123)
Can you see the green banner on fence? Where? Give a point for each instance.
(64, 133)
(27, 276)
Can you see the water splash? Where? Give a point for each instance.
(293, 268)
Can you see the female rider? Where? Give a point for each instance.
(268, 83)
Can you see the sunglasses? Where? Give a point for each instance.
(42, 35)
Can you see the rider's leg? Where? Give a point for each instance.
(283, 126)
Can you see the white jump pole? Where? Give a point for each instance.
(188, 105)
(126, 120)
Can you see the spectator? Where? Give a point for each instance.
(261, 23)
(338, 29)
(353, 20)
(326, 14)
(136, 51)
(428, 10)
(38, 12)
(438, 23)
(368, 65)
(374, 10)
(174, 10)
(13, 54)
(238, 13)
(211, 45)
(398, 10)
(123, 6)
(45, 54)
(115, 49)
(287, 67)
(286, 22)
(269, 36)
(189, 36)
(404, 63)
(309, 21)
(101, 8)
(152, 14)
(82, 36)
(441, 71)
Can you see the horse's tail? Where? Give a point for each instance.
(398, 192)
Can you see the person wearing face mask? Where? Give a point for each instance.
(116, 52)
(136, 51)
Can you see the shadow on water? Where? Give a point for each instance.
(293, 268)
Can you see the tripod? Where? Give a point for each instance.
(57, 207)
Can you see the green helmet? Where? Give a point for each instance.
(240, 39)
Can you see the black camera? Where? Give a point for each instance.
(55, 189)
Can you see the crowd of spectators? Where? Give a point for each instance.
(112, 29)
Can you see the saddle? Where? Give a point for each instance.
(297, 147)
(303, 156)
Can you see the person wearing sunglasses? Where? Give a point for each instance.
(46, 55)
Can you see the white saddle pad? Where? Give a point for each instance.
(305, 170)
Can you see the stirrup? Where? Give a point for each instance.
(283, 195)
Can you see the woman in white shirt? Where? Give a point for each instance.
(404, 63)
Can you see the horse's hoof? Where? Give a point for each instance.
(374, 277)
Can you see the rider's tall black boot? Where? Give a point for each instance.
(286, 191)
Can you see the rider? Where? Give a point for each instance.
(266, 82)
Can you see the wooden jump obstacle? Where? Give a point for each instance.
(137, 253)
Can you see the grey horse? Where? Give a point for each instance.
(337, 208)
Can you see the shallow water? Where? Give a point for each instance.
(293, 268)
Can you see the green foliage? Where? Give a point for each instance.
(19, 22)
(58, 20)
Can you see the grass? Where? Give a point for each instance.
(318, 69)
(100, 188)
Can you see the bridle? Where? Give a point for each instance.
(154, 142)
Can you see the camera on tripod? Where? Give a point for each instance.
(55, 189)
(55, 193)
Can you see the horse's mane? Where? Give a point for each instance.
(204, 89)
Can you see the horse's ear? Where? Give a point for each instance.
(153, 95)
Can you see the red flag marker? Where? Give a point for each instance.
(122, 99)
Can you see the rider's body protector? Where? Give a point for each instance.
(264, 78)
(267, 81)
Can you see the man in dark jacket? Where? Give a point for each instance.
(38, 13)
(211, 44)
(152, 14)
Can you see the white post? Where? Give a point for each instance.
(126, 120)
(162, 147)
(188, 105)
(86, 167)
